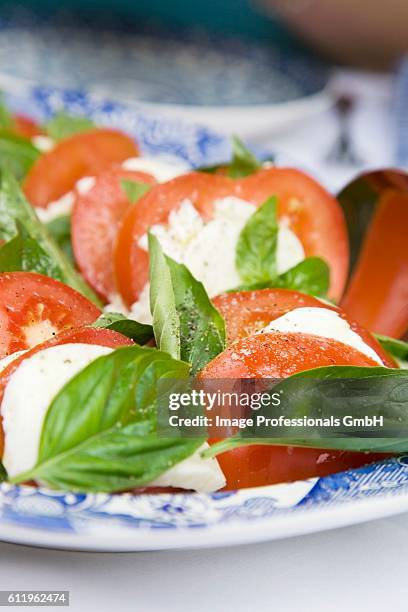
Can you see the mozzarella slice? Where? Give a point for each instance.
(324, 323)
(28, 394)
(60, 207)
(85, 184)
(209, 249)
(43, 143)
(161, 168)
(196, 473)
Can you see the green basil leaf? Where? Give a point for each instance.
(166, 321)
(202, 328)
(63, 125)
(139, 332)
(396, 348)
(15, 208)
(385, 393)
(60, 230)
(17, 153)
(312, 275)
(184, 318)
(3, 473)
(243, 162)
(6, 118)
(23, 253)
(116, 460)
(134, 189)
(99, 433)
(257, 243)
(309, 276)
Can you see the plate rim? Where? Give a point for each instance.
(343, 514)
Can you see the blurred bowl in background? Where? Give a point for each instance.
(263, 88)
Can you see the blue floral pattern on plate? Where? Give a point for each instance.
(133, 517)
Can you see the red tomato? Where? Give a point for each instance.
(279, 355)
(34, 308)
(260, 465)
(310, 211)
(95, 221)
(25, 126)
(85, 154)
(378, 292)
(246, 312)
(84, 335)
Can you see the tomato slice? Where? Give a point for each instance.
(378, 292)
(34, 308)
(247, 312)
(310, 211)
(84, 335)
(25, 126)
(84, 154)
(279, 355)
(95, 221)
(261, 465)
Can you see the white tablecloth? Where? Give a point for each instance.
(345, 570)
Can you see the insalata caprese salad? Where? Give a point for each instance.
(118, 271)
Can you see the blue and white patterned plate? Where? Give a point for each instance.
(42, 517)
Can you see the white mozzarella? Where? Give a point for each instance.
(60, 207)
(161, 168)
(324, 323)
(196, 473)
(28, 394)
(43, 143)
(208, 249)
(85, 184)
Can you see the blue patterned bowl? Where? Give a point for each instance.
(150, 522)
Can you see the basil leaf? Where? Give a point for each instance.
(385, 392)
(309, 276)
(15, 208)
(134, 189)
(255, 257)
(63, 125)
(17, 153)
(166, 321)
(23, 253)
(312, 275)
(3, 473)
(243, 162)
(6, 118)
(139, 332)
(115, 460)
(184, 318)
(60, 230)
(99, 433)
(202, 328)
(396, 348)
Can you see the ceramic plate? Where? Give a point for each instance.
(265, 87)
(42, 517)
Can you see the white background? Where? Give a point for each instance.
(352, 569)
